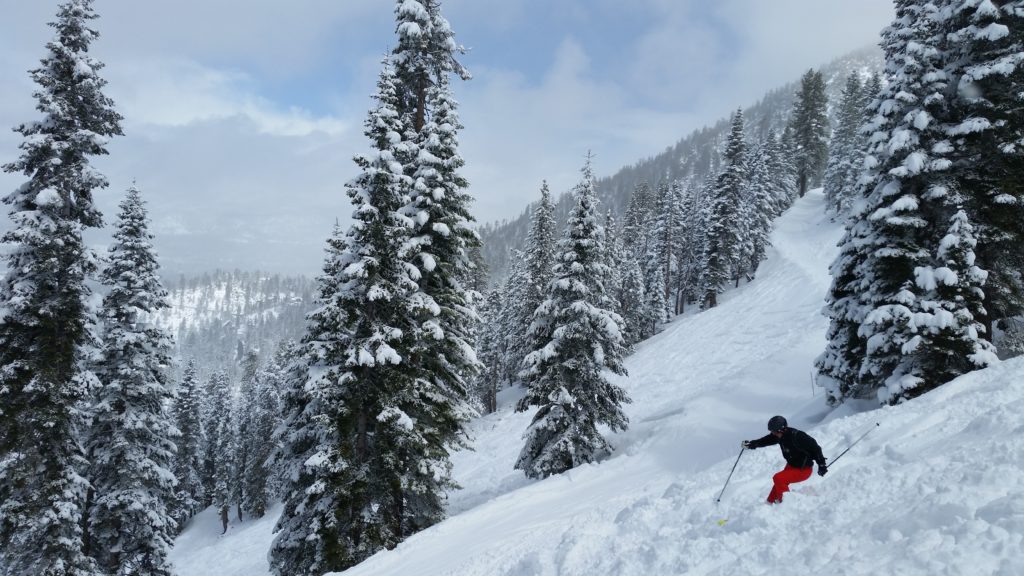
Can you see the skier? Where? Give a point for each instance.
(798, 449)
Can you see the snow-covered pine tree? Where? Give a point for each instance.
(584, 340)
(257, 476)
(678, 245)
(809, 131)
(132, 440)
(221, 447)
(188, 463)
(278, 377)
(308, 511)
(919, 297)
(846, 150)
(986, 40)
(540, 251)
(613, 259)
(691, 248)
(782, 172)
(539, 258)
(724, 226)
(632, 302)
(658, 260)
(45, 317)
(361, 379)
(948, 341)
(243, 416)
(760, 202)
(845, 348)
(654, 312)
(515, 320)
(840, 364)
(851, 364)
(479, 280)
(444, 359)
(490, 346)
(634, 226)
(425, 53)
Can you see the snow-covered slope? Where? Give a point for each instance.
(936, 488)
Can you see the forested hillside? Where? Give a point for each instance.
(218, 317)
(694, 157)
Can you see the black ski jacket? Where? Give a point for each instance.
(799, 449)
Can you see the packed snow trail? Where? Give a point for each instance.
(938, 488)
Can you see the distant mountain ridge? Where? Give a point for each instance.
(693, 156)
(218, 317)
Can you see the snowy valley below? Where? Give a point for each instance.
(937, 488)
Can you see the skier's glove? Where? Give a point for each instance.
(746, 444)
(822, 469)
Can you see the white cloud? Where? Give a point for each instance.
(689, 64)
(168, 92)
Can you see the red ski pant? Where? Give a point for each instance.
(785, 477)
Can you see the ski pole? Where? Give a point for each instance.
(852, 445)
(719, 499)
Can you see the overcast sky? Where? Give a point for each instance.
(241, 116)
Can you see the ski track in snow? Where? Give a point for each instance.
(937, 489)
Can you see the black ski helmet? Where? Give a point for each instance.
(776, 424)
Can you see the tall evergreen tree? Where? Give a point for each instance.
(657, 261)
(613, 259)
(540, 250)
(810, 131)
(490, 346)
(243, 418)
(985, 40)
(911, 288)
(308, 511)
(722, 253)
(424, 62)
(583, 339)
(633, 303)
(257, 476)
(846, 150)
(516, 317)
(634, 226)
(663, 242)
(539, 258)
(361, 385)
(761, 207)
(221, 446)
(782, 172)
(677, 243)
(654, 311)
(188, 464)
(132, 440)
(45, 320)
(691, 235)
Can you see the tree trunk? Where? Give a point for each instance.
(361, 446)
(90, 495)
(421, 105)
